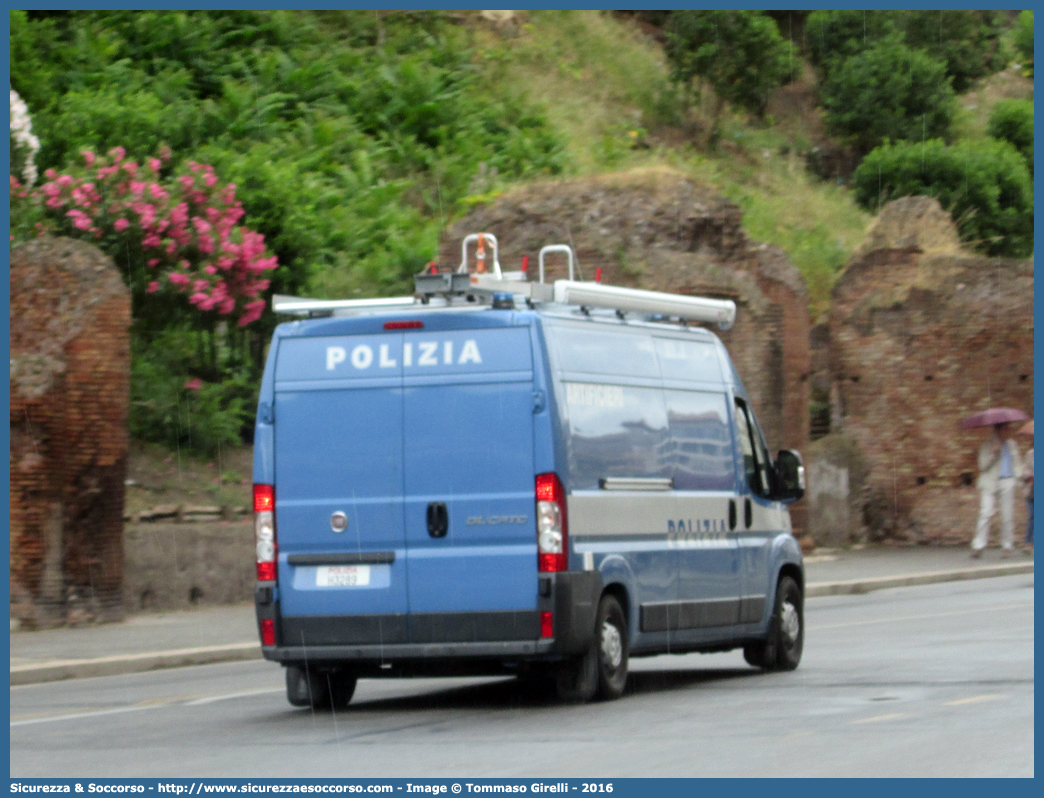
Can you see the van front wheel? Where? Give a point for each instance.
(612, 649)
(781, 649)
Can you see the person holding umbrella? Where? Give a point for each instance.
(1000, 468)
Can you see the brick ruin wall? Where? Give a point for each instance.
(70, 372)
(919, 340)
(657, 230)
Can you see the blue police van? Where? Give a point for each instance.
(504, 476)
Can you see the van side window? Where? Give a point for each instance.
(700, 447)
(755, 456)
(615, 431)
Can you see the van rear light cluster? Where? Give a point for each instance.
(552, 528)
(267, 632)
(265, 532)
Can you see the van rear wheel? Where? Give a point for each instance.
(612, 649)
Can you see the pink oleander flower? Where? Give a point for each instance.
(194, 384)
(117, 154)
(252, 312)
(152, 287)
(88, 157)
(121, 225)
(179, 279)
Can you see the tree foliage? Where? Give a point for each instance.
(351, 137)
(1012, 121)
(740, 53)
(321, 119)
(888, 92)
(968, 42)
(986, 186)
(1024, 40)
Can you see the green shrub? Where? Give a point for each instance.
(888, 92)
(1012, 121)
(740, 53)
(833, 36)
(968, 42)
(985, 185)
(1024, 40)
(173, 405)
(351, 137)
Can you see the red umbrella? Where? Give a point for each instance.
(995, 415)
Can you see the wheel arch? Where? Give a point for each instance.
(796, 573)
(619, 591)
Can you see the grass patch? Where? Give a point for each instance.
(601, 81)
(817, 223)
(605, 85)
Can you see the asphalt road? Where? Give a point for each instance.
(919, 681)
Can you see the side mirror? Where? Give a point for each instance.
(790, 476)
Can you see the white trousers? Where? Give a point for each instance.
(1005, 494)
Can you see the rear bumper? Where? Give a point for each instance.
(572, 598)
(410, 651)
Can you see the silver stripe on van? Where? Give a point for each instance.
(636, 483)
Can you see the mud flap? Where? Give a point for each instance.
(576, 604)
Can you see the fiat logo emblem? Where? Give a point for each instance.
(338, 522)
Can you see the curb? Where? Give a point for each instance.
(132, 663)
(139, 663)
(857, 586)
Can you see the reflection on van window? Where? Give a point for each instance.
(699, 447)
(688, 360)
(615, 431)
(577, 348)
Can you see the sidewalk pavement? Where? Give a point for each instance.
(225, 634)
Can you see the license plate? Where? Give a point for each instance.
(342, 575)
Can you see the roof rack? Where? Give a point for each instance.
(434, 289)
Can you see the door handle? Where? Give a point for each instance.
(438, 519)
(748, 513)
(732, 514)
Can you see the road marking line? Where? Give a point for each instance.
(88, 714)
(877, 718)
(893, 619)
(975, 699)
(210, 699)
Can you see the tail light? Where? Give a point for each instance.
(547, 625)
(265, 532)
(267, 632)
(552, 528)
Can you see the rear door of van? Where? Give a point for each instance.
(468, 404)
(339, 477)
